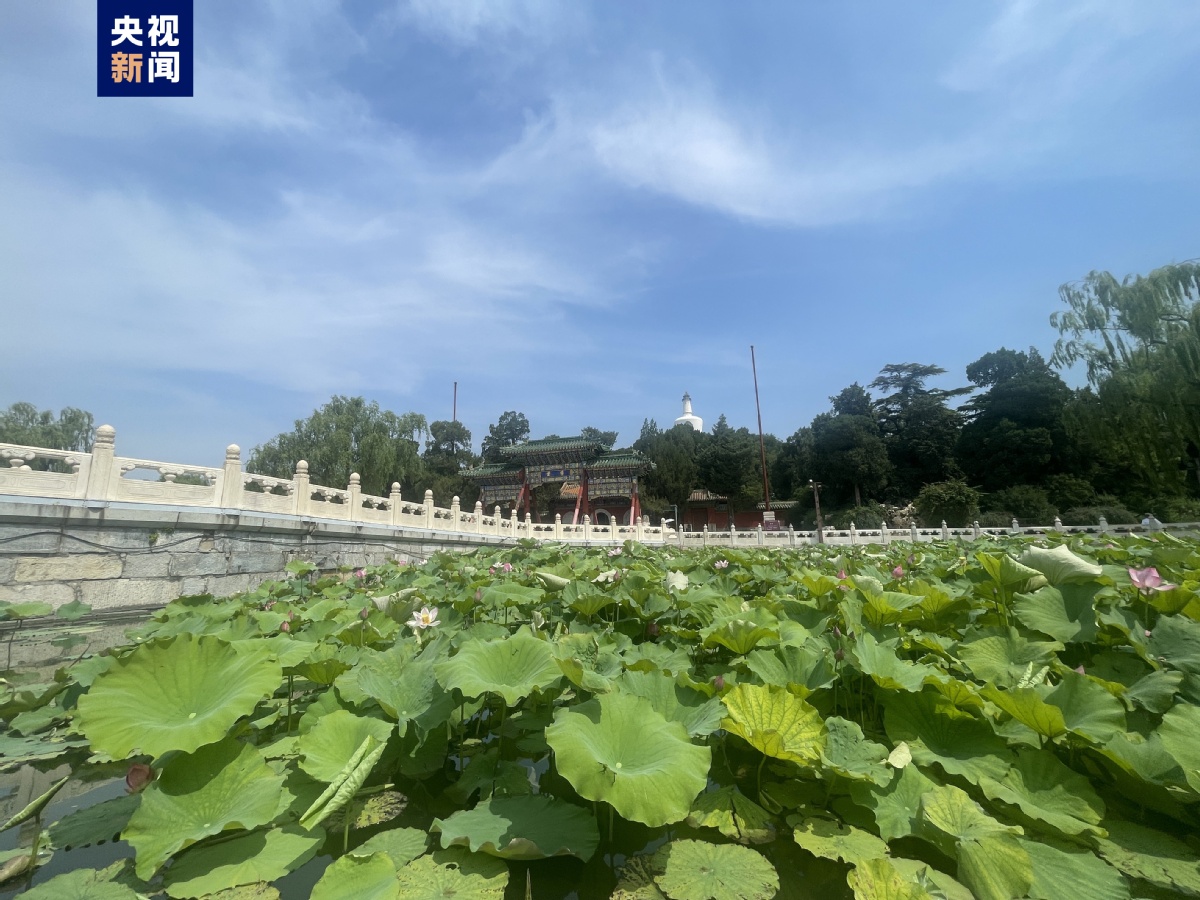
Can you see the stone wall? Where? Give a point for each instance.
(137, 555)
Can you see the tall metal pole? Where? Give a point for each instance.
(762, 447)
(455, 412)
(816, 487)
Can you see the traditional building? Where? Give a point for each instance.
(596, 481)
(688, 417)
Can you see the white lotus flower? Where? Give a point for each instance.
(425, 618)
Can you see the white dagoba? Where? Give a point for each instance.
(688, 418)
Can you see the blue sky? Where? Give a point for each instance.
(577, 210)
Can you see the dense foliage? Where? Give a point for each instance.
(999, 720)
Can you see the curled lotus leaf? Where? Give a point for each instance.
(512, 667)
(1060, 565)
(1047, 790)
(734, 815)
(616, 748)
(699, 714)
(220, 786)
(174, 695)
(330, 744)
(528, 827)
(697, 870)
(776, 722)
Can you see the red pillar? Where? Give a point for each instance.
(635, 508)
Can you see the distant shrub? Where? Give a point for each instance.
(869, 515)
(956, 502)
(1070, 491)
(999, 518)
(1027, 503)
(1174, 509)
(1114, 514)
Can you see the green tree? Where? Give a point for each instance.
(347, 435)
(728, 465)
(447, 455)
(606, 438)
(848, 457)
(512, 428)
(954, 502)
(24, 423)
(919, 428)
(676, 470)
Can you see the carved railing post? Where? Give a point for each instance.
(478, 516)
(1057, 523)
(853, 535)
(587, 528)
(396, 502)
(429, 520)
(945, 531)
(705, 536)
(1015, 526)
(791, 536)
(1103, 524)
(303, 488)
(639, 529)
(912, 531)
(100, 475)
(883, 533)
(558, 526)
(355, 499)
(760, 536)
(975, 529)
(496, 520)
(455, 512)
(231, 479)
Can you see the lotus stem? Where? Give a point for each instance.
(610, 823)
(761, 764)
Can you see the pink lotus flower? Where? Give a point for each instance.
(507, 567)
(898, 572)
(285, 627)
(1080, 670)
(652, 629)
(491, 570)
(721, 564)
(1147, 580)
(360, 573)
(138, 776)
(842, 575)
(719, 683)
(615, 551)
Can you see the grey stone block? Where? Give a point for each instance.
(240, 563)
(54, 594)
(224, 585)
(77, 567)
(148, 565)
(185, 564)
(121, 592)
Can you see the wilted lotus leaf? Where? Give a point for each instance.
(776, 722)
(616, 748)
(259, 856)
(697, 870)
(529, 827)
(223, 785)
(830, 840)
(1060, 565)
(335, 738)
(513, 667)
(81, 884)
(358, 878)
(699, 714)
(637, 880)
(453, 873)
(175, 695)
(879, 879)
(733, 814)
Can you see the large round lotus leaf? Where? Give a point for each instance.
(1154, 856)
(938, 732)
(827, 839)
(897, 806)
(1047, 790)
(175, 695)
(259, 856)
(734, 815)
(699, 714)
(402, 845)
(532, 827)
(879, 660)
(1060, 565)
(1067, 872)
(513, 667)
(403, 686)
(879, 879)
(223, 785)
(995, 867)
(616, 748)
(1179, 731)
(848, 753)
(82, 884)
(1005, 658)
(697, 870)
(1066, 613)
(358, 878)
(335, 738)
(776, 722)
(953, 817)
(453, 875)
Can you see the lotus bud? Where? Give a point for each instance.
(491, 570)
(837, 632)
(839, 654)
(898, 572)
(479, 596)
(652, 629)
(1147, 632)
(842, 575)
(363, 613)
(138, 776)
(1080, 670)
(285, 627)
(719, 683)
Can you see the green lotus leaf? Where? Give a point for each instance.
(891, 608)
(1067, 872)
(830, 840)
(491, 776)
(1060, 565)
(1047, 790)
(996, 867)
(699, 714)
(29, 609)
(1066, 613)
(358, 878)
(69, 612)
(1151, 855)
(734, 815)
(220, 786)
(738, 634)
(697, 870)
(551, 581)
(1155, 691)
(345, 785)
(406, 688)
(1088, 709)
(587, 662)
(1005, 570)
(176, 695)
(1176, 641)
(259, 856)
(402, 845)
(637, 880)
(616, 748)
(1144, 758)
(453, 874)
(514, 668)
(955, 817)
(81, 884)
(937, 883)
(775, 722)
(808, 666)
(848, 753)
(1027, 707)
(335, 739)
(19, 751)
(94, 824)
(897, 806)
(1004, 659)
(1180, 731)
(938, 732)
(879, 879)
(585, 598)
(529, 827)
(879, 660)
(285, 649)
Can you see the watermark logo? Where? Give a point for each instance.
(143, 48)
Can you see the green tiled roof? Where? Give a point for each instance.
(553, 445)
(620, 460)
(492, 469)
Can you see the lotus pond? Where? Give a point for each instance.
(994, 720)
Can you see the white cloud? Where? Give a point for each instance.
(470, 22)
